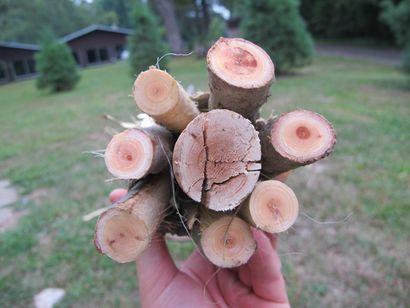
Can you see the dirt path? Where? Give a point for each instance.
(389, 56)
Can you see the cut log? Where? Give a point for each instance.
(159, 95)
(272, 207)
(224, 239)
(125, 231)
(294, 139)
(240, 76)
(216, 159)
(136, 152)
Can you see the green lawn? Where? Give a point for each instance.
(363, 261)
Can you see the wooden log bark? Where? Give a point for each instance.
(216, 159)
(224, 239)
(159, 95)
(202, 100)
(125, 231)
(295, 139)
(136, 152)
(272, 207)
(240, 76)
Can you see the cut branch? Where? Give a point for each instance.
(125, 231)
(240, 76)
(272, 207)
(226, 240)
(163, 98)
(217, 159)
(136, 152)
(295, 139)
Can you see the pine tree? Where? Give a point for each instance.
(277, 26)
(57, 67)
(397, 18)
(146, 43)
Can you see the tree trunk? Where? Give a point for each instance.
(166, 8)
(240, 76)
(216, 159)
(295, 139)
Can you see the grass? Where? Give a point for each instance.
(359, 262)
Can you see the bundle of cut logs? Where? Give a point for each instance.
(207, 167)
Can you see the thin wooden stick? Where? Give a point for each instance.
(216, 159)
(240, 76)
(125, 231)
(295, 139)
(159, 95)
(272, 207)
(134, 153)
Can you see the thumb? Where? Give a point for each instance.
(155, 270)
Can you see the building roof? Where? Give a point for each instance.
(19, 46)
(89, 29)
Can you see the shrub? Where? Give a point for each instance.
(146, 43)
(397, 18)
(277, 26)
(57, 67)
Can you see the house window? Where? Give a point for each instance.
(103, 54)
(2, 70)
(19, 68)
(118, 51)
(91, 56)
(31, 66)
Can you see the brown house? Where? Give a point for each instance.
(97, 44)
(16, 61)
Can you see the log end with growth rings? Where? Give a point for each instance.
(216, 159)
(303, 136)
(228, 242)
(273, 206)
(121, 235)
(155, 92)
(129, 154)
(240, 63)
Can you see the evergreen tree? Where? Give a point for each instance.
(146, 43)
(398, 19)
(57, 67)
(276, 26)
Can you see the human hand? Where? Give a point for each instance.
(198, 283)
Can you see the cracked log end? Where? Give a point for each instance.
(240, 63)
(129, 154)
(159, 95)
(228, 242)
(121, 235)
(273, 206)
(217, 159)
(303, 136)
